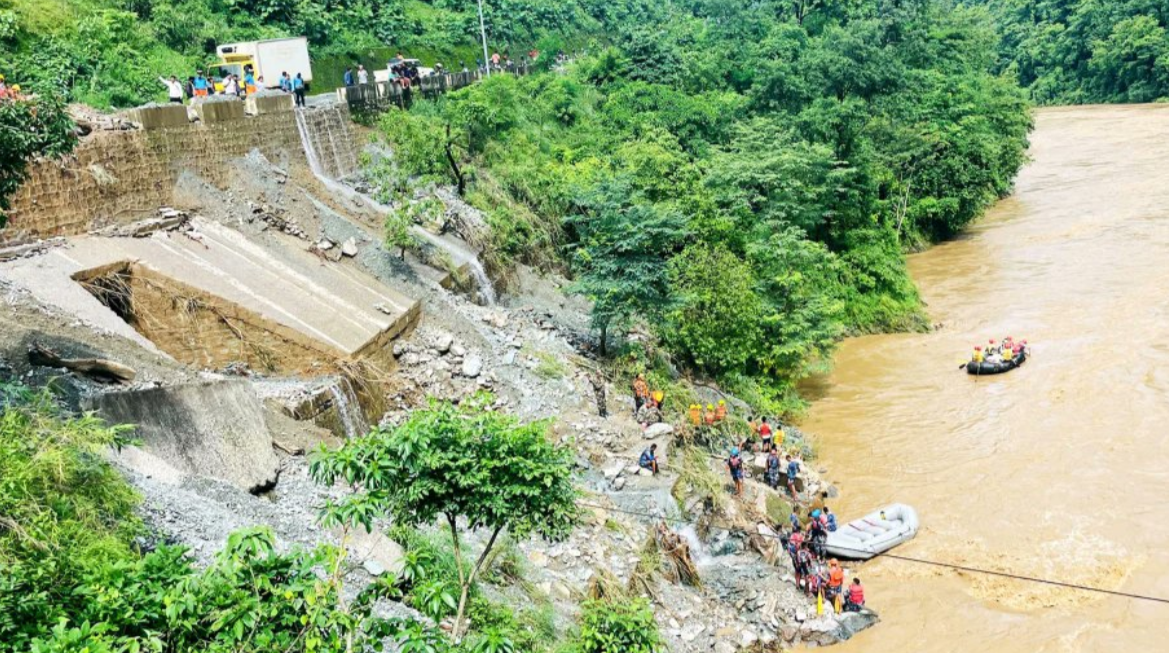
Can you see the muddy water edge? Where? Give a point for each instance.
(1059, 469)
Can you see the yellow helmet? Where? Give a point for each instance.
(709, 406)
(721, 402)
(1, 77)
(16, 88)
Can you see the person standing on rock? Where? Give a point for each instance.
(793, 470)
(298, 89)
(640, 392)
(735, 467)
(773, 467)
(765, 435)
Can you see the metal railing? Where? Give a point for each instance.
(377, 96)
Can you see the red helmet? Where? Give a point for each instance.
(1024, 342)
(992, 341)
(977, 348)
(1007, 338)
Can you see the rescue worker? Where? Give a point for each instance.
(649, 459)
(817, 534)
(855, 600)
(708, 417)
(831, 520)
(640, 392)
(793, 470)
(3, 87)
(977, 357)
(1008, 351)
(835, 585)
(720, 413)
(773, 466)
(765, 435)
(695, 414)
(735, 467)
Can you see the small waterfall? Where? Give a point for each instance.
(460, 256)
(697, 551)
(348, 409)
(486, 289)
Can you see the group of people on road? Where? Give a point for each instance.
(201, 85)
(1006, 351)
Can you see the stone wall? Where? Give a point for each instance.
(120, 177)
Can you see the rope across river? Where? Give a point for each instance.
(922, 561)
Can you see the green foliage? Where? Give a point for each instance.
(463, 463)
(28, 128)
(1084, 51)
(743, 181)
(618, 626)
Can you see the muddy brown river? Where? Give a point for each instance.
(1059, 469)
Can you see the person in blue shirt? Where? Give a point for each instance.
(285, 82)
(298, 89)
(200, 84)
(649, 459)
(249, 80)
(348, 79)
(793, 470)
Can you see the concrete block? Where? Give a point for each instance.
(212, 429)
(219, 111)
(169, 116)
(258, 105)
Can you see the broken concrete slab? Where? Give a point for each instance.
(214, 429)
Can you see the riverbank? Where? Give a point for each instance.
(1053, 470)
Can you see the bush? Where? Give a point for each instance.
(618, 626)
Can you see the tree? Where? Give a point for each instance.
(620, 258)
(463, 463)
(398, 231)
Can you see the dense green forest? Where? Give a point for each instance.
(1084, 51)
(743, 177)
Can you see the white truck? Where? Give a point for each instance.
(268, 59)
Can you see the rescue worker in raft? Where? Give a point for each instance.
(977, 357)
(993, 353)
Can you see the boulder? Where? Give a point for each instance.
(443, 342)
(349, 248)
(378, 554)
(658, 430)
(472, 366)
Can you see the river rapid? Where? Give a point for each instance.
(1059, 469)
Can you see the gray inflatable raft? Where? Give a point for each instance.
(872, 535)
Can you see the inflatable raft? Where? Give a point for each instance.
(986, 367)
(873, 534)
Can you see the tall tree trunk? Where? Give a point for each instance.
(450, 157)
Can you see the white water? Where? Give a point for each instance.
(486, 290)
(348, 409)
(482, 281)
(697, 551)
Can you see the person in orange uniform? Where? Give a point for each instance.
(720, 413)
(640, 392)
(856, 596)
(835, 585)
(709, 416)
(695, 414)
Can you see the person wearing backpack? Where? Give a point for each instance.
(735, 466)
(793, 470)
(773, 470)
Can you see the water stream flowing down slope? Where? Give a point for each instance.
(1059, 469)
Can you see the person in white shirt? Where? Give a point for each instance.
(174, 90)
(362, 75)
